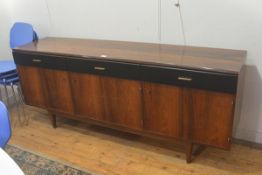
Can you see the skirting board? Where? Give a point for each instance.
(248, 143)
(248, 135)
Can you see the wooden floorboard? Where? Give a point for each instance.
(116, 153)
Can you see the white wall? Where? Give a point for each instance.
(4, 27)
(32, 11)
(233, 24)
(133, 20)
(226, 24)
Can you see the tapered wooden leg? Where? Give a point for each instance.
(53, 119)
(188, 149)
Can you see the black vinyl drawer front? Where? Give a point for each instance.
(106, 68)
(44, 61)
(213, 81)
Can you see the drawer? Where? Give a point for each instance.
(212, 81)
(45, 61)
(103, 67)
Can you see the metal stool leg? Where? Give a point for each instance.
(21, 98)
(17, 107)
(6, 95)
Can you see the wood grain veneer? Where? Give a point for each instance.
(222, 60)
(163, 91)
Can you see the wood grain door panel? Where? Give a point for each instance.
(123, 102)
(162, 109)
(88, 95)
(32, 86)
(59, 91)
(211, 118)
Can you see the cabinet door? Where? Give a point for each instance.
(88, 95)
(162, 109)
(211, 118)
(32, 85)
(123, 102)
(59, 91)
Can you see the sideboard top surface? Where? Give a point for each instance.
(201, 58)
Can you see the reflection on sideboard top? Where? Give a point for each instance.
(211, 59)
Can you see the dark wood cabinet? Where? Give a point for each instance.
(123, 102)
(108, 99)
(88, 95)
(162, 91)
(57, 86)
(46, 88)
(211, 117)
(163, 109)
(32, 85)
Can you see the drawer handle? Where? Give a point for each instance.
(99, 68)
(184, 78)
(37, 60)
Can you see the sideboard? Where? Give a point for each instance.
(174, 92)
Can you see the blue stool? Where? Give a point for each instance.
(20, 34)
(6, 67)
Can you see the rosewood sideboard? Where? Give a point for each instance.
(166, 91)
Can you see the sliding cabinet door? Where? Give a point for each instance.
(211, 117)
(58, 88)
(88, 96)
(162, 109)
(32, 85)
(123, 102)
